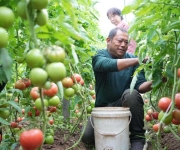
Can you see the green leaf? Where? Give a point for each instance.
(3, 121)
(76, 60)
(6, 63)
(60, 89)
(14, 104)
(173, 25)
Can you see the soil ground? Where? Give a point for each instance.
(168, 142)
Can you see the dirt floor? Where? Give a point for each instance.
(168, 142)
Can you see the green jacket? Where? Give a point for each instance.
(111, 83)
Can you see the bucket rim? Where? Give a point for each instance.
(111, 109)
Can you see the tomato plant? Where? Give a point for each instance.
(31, 139)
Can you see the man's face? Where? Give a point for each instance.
(117, 46)
(115, 19)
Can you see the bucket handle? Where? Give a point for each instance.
(111, 134)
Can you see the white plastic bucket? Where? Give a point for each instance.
(111, 128)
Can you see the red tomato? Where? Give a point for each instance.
(164, 103)
(52, 109)
(178, 72)
(51, 121)
(52, 91)
(94, 96)
(76, 77)
(67, 82)
(0, 138)
(32, 139)
(174, 121)
(27, 82)
(176, 114)
(81, 81)
(23, 111)
(155, 115)
(148, 118)
(177, 100)
(18, 119)
(14, 125)
(20, 85)
(146, 101)
(156, 127)
(34, 93)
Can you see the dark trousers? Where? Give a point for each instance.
(135, 102)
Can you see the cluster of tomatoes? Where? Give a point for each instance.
(165, 104)
(7, 18)
(41, 16)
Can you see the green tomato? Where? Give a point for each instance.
(69, 92)
(4, 114)
(42, 17)
(166, 129)
(50, 132)
(4, 37)
(6, 17)
(35, 58)
(38, 77)
(55, 54)
(77, 88)
(89, 109)
(39, 4)
(38, 103)
(56, 71)
(54, 101)
(49, 139)
(21, 9)
(167, 120)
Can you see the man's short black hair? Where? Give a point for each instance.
(114, 11)
(113, 32)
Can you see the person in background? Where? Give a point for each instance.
(113, 69)
(114, 15)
